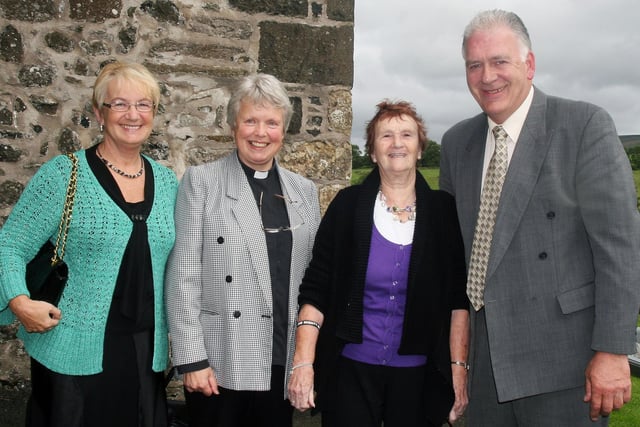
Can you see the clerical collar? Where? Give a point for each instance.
(252, 173)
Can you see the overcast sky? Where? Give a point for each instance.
(411, 50)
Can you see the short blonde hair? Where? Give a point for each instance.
(131, 72)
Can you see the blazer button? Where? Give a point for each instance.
(542, 255)
(228, 279)
(551, 215)
(236, 314)
(220, 240)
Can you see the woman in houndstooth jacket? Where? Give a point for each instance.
(245, 229)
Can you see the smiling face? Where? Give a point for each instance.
(128, 128)
(396, 146)
(259, 133)
(497, 75)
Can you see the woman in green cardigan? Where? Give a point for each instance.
(98, 358)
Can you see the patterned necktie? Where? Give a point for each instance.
(489, 200)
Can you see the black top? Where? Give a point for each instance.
(132, 307)
(274, 215)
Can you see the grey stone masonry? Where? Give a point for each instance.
(52, 50)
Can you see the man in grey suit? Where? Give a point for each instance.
(556, 293)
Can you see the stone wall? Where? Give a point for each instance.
(51, 51)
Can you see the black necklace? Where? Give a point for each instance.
(120, 171)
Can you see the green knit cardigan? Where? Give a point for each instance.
(98, 236)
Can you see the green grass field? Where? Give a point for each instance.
(629, 415)
(430, 174)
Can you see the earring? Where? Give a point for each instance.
(101, 128)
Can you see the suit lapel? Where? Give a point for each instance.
(298, 215)
(294, 205)
(522, 176)
(246, 214)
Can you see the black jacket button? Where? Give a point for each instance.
(236, 314)
(542, 255)
(228, 279)
(220, 240)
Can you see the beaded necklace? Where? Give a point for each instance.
(395, 210)
(120, 171)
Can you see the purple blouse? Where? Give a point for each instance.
(385, 294)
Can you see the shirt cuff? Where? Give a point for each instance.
(192, 367)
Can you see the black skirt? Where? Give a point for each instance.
(127, 393)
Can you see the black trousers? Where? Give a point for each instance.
(370, 395)
(233, 408)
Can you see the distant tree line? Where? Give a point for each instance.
(430, 157)
(634, 157)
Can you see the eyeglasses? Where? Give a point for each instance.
(122, 106)
(279, 229)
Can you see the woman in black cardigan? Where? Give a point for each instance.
(383, 316)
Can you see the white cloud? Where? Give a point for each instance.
(410, 49)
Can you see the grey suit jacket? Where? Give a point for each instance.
(218, 285)
(564, 269)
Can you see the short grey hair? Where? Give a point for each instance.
(259, 89)
(489, 19)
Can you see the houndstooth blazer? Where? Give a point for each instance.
(218, 285)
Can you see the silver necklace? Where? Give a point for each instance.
(120, 171)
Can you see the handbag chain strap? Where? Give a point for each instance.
(65, 219)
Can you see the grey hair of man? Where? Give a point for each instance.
(259, 89)
(489, 19)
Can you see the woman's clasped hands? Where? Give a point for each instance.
(301, 394)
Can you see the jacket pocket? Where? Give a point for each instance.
(577, 299)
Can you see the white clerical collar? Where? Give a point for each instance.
(261, 174)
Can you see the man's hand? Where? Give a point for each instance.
(608, 383)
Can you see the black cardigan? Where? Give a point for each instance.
(334, 280)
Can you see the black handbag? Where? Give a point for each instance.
(176, 408)
(47, 273)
